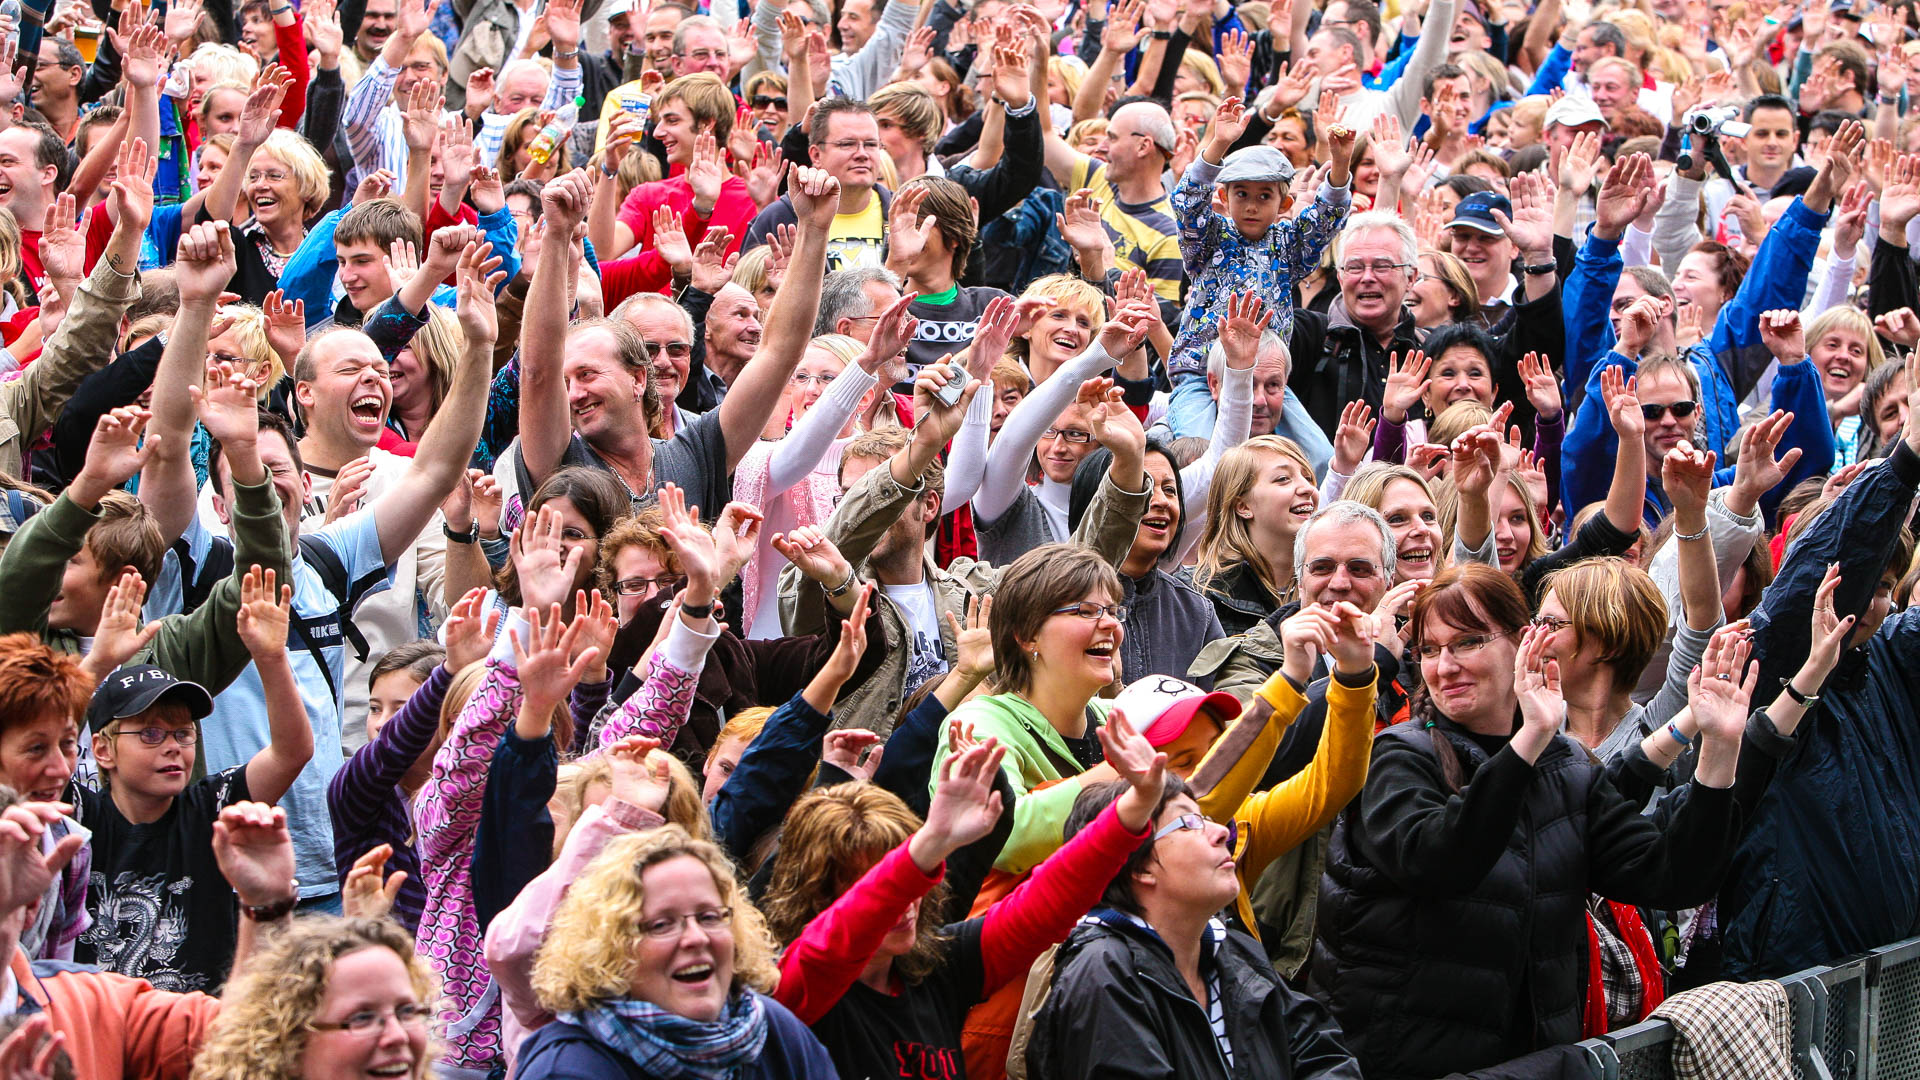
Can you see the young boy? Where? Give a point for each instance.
(1250, 246)
(161, 910)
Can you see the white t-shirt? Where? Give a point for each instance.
(927, 657)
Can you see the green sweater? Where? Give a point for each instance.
(1035, 752)
(200, 646)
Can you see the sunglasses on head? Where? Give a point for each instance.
(1680, 409)
(761, 101)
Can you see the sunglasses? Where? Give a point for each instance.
(1680, 410)
(761, 101)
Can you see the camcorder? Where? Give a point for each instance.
(1716, 123)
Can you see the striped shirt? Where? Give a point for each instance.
(1144, 235)
(375, 129)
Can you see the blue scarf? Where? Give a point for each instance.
(670, 1046)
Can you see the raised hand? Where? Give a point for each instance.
(972, 639)
(1781, 332)
(712, 266)
(736, 535)
(1406, 385)
(1720, 687)
(907, 230)
(116, 453)
(1618, 390)
(264, 614)
(670, 240)
(1543, 386)
(893, 331)
(1229, 123)
(1687, 475)
(286, 326)
(843, 749)
(32, 1051)
(640, 776)
(63, 242)
(706, 172)
(992, 336)
(1757, 471)
(1900, 198)
(564, 201)
(1637, 324)
(1246, 320)
(1829, 640)
(1624, 193)
(815, 194)
(1128, 327)
(1114, 425)
(932, 415)
(229, 404)
(1236, 60)
(808, 549)
(369, 891)
(1080, 224)
(377, 184)
(26, 872)
(594, 626)
(1536, 682)
(262, 110)
(469, 629)
(1138, 763)
(420, 122)
(182, 17)
(1531, 226)
(964, 807)
(699, 559)
(1124, 28)
(1353, 437)
(254, 850)
(349, 489)
(321, 19)
(121, 633)
(563, 25)
(144, 54)
(477, 279)
(545, 566)
(546, 675)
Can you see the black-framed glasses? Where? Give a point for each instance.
(1460, 646)
(1552, 624)
(709, 920)
(1681, 409)
(1092, 612)
(761, 101)
(1358, 568)
(641, 586)
(1379, 267)
(157, 736)
(1073, 436)
(367, 1022)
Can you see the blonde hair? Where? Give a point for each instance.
(1091, 128)
(913, 106)
(1228, 538)
(1446, 500)
(250, 330)
(588, 953)
(750, 273)
(261, 1032)
(304, 164)
(1202, 67)
(515, 136)
(1452, 273)
(223, 65)
(10, 265)
(1072, 71)
(1851, 319)
(1616, 605)
(1456, 420)
(438, 346)
(1530, 116)
(1068, 291)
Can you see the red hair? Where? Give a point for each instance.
(36, 680)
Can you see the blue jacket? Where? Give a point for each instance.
(1829, 867)
(770, 776)
(310, 272)
(1553, 70)
(1733, 357)
(561, 1050)
(1586, 455)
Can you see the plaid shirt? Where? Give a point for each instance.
(1730, 1030)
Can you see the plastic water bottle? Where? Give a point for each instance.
(548, 141)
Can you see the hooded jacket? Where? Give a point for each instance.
(1119, 1009)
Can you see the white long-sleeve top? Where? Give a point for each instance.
(1005, 474)
(1232, 423)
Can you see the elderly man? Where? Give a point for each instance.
(493, 33)
(1341, 356)
(1134, 205)
(522, 84)
(1276, 411)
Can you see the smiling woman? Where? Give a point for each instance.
(655, 962)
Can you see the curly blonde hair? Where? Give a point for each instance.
(588, 954)
(261, 1032)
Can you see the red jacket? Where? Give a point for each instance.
(117, 1027)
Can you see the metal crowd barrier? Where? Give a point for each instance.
(1857, 1020)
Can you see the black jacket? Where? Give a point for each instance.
(1119, 1009)
(1335, 362)
(1829, 868)
(1452, 925)
(1238, 596)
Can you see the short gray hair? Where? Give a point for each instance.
(517, 66)
(1155, 123)
(844, 296)
(1376, 221)
(693, 22)
(1346, 512)
(1270, 342)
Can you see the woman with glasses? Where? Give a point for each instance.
(325, 997)
(1452, 913)
(877, 961)
(1443, 292)
(1152, 984)
(657, 965)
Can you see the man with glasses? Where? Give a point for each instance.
(668, 331)
(160, 909)
(1134, 204)
(1341, 355)
(845, 141)
(699, 45)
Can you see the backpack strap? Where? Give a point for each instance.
(197, 581)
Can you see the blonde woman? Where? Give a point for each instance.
(1843, 348)
(1404, 500)
(657, 962)
(1444, 292)
(1263, 492)
(327, 996)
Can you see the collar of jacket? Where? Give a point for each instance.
(1339, 319)
(1133, 926)
(1240, 588)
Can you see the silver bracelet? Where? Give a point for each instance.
(1701, 535)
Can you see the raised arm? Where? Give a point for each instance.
(1687, 476)
(761, 384)
(545, 425)
(257, 120)
(1627, 494)
(262, 625)
(441, 460)
(203, 267)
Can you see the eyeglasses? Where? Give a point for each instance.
(679, 350)
(373, 1021)
(1198, 824)
(639, 586)
(156, 736)
(1653, 410)
(761, 101)
(1552, 624)
(270, 176)
(1379, 267)
(801, 380)
(848, 146)
(1092, 612)
(1460, 646)
(1074, 437)
(711, 921)
(1359, 568)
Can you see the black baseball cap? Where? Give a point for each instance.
(133, 690)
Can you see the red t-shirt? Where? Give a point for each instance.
(30, 258)
(734, 209)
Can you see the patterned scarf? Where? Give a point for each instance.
(672, 1047)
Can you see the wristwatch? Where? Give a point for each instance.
(1163, 35)
(266, 913)
(1805, 701)
(1540, 268)
(472, 535)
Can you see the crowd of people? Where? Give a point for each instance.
(947, 538)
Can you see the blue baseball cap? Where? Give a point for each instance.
(1476, 212)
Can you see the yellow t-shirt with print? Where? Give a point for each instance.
(1144, 235)
(859, 239)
